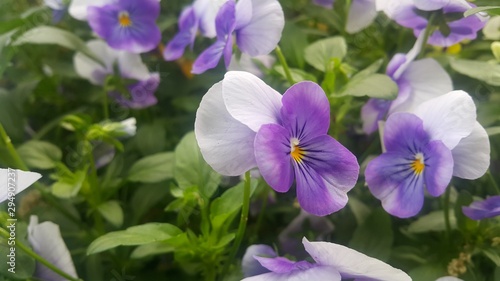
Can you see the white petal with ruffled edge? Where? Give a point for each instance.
(249, 100)
(22, 180)
(351, 263)
(131, 66)
(362, 13)
(448, 118)
(472, 154)
(225, 143)
(78, 8)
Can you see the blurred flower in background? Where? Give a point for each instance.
(487, 208)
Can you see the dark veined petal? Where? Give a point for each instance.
(272, 153)
(404, 132)
(438, 167)
(487, 208)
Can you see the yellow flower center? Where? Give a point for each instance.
(418, 164)
(296, 151)
(124, 19)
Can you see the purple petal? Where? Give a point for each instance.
(188, 25)
(438, 167)
(250, 266)
(228, 51)
(317, 272)
(324, 3)
(209, 58)
(391, 180)
(262, 34)
(306, 110)
(282, 265)
(272, 153)
(372, 112)
(405, 15)
(404, 132)
(225, 21)
(142, 93)
(487, 208)
(396, 62)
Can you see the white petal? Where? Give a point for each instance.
(351, 263)
(129, 126)
(206, 11)
(361, 14)
(46, 240)
(410, 56)
(13, 180)
(449, 278)
(472, 154)
(131, 66)
(243, 13)
(427, 80)
(54, 4)
(314, 273)
(448, 118)
(491, 30)
(78, 8)
(225, 143)
(91, 70)
(249, 100)
(262, 34)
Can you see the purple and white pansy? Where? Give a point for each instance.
(487, 208)
(242, 123)
(445, 15)
(256, 24)
(418, 81)
(129, 65)
(440, 139)
(332, 262)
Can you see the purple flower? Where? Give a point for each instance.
(46, 240)
(22, 178)
(127, 24)
(249, 265)
(447, 15)
(488, 208)
(129, 65)
(257, 25)
(242, 123)
(418, 81)
(331, 262)
(439, 140)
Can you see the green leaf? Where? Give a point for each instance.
(434, 221)
(493, 131)
(321, 52)
(431, 271)
(53, 35)
(192, 170)
(228, 204)
(492, 10)
(69, 184)
(154, 168)
(152, 249)
(359, 209)
(134, 236)
(484, 71)
(40, 154)
(374, 237)
(493, 255)
(463, 223)
(293, 43)
(112, 212)
(145, 197)
(150, 138)
(371, 69)
(297, 74)
(376, 85)
(11, 114)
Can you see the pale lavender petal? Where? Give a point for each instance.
(207, 11)
(228, 51)
(262, 34)
(243, 13)
(282, 265)
(352, 264)
(372, 112)
(90, 69)
(438, 167)
(188, 25)
(46, 240)
(404, 14)
(306, 110)
(209, 58)
(325, 3)
(272, 153)
(404, 132)
(250, 266)
(391, 180)
(430, 5)
(225, 143)
(314, 273)
(395, 63)
(472, 154)
(488, 208)
(362, 13)
(449, 278)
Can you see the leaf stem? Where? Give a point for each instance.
(38, 258)
(12, 150)
(427, 33)
(282, 60)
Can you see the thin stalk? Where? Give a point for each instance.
(282, 59)
(243, 222)
(39, 258)
(12, 150)
(427, 33)
(446, 206)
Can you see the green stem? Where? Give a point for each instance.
(427, 33)
(281, 57)
(52, 124)
(12, 151)
(38, 258)
(493, 182)
(243, 223)
(105, 104)
(446, 207)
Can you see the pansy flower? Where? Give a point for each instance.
(257, 25)
(440, 139)
(45, 239)
(242, 123)
(418, 81)
(445, 15)
(127, 25)
(332, 262)
(22, 180)
(129, 65)
(488, 208)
